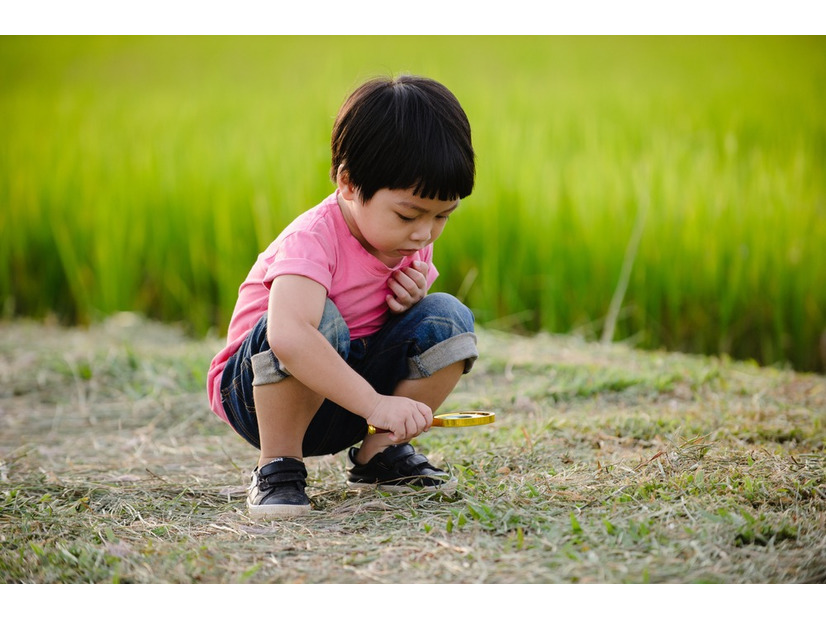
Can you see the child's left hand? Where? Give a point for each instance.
(409, 286)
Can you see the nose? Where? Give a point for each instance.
(421, 233)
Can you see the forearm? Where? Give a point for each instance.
(310, 359)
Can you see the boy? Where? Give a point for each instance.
(333, 328)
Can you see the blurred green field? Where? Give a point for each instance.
(147, 173)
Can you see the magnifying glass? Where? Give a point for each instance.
(452, 419)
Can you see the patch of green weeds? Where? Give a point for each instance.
(764, 533)
(761, 531)
(60, 562)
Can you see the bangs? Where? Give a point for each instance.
(423, 160)
(407, 134)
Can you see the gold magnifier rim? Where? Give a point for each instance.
(452, 419)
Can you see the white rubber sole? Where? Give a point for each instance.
(447, 487)
(276, 511)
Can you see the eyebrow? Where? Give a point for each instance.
(415, 207)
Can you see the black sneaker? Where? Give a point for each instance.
(277, 490)
(399, 468)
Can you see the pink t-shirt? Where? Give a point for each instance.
(318, 245)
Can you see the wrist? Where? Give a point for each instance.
(373, 404)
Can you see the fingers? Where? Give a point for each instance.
(412, 426)
(409, 282)
(421, 267)
(408, 286)
(428, 416)
(418, 271)
(404, 418)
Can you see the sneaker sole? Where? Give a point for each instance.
(447, 487)
(274, 511)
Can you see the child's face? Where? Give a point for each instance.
(395, 222)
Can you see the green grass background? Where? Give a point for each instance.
(147, 173)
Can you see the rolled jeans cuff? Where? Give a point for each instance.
(441, 355)
(267, 369)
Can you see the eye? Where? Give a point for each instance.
(443, 217)
(404, 218)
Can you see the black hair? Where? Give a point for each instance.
(408, 132)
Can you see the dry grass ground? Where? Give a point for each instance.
(605, 465)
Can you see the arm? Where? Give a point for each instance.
(295, 307)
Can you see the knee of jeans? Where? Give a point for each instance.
(446, 306)
(334, 328)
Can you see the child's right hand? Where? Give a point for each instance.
(402, 417)
(408, 287)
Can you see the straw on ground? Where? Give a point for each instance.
(605, 464)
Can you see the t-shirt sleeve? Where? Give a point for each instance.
(303, 253)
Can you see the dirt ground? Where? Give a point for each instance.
(605, 465)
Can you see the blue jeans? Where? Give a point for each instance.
(433, 334)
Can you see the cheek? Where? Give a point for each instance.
(380, 228)
(388, 232)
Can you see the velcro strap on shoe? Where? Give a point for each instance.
(399, 453)
(411, 461)
(284, 470)
(285, 476)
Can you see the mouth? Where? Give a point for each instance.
(407, 252)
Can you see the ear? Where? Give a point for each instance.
(346, 188)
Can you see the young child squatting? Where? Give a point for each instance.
(334, 329)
